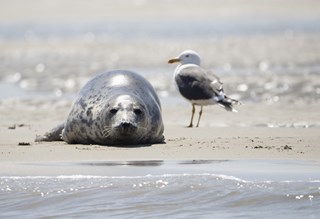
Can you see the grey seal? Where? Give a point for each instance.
(118, 107)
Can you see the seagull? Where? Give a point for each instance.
(199, 86)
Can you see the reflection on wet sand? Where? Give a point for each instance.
(125, 163)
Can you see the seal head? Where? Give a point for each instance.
(125, 120)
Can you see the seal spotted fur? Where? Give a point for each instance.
(116, 107)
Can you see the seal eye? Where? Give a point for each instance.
(137, 111)
(113, 111)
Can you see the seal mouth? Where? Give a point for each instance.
(126, 128)
(125, 133)
(123, 129)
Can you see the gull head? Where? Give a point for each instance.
(187, 57)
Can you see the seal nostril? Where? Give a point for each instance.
(125, 124)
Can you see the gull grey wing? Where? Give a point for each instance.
(216, 83)
(193, 84)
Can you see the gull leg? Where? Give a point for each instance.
(193, 110)
(200, 114)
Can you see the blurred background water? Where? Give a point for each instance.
(264, 51)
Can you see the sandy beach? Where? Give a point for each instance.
(211, 141)
(270, 64)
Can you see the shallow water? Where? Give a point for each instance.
(259, 60)
(168, 189)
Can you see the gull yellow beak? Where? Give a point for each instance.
(174, 60)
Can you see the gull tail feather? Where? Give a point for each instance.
(228, 103)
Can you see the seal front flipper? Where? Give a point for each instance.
(52, 135)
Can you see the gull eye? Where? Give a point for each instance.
(113, 111)
(137, 111)
(187, 56)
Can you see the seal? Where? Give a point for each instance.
(118, 107)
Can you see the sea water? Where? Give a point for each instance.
(166, 189)
(260, 60)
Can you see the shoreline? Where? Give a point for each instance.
(243, 170)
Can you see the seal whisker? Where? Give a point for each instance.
(140, 138)
(106, 131)
(106, 134)
(139, 127)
